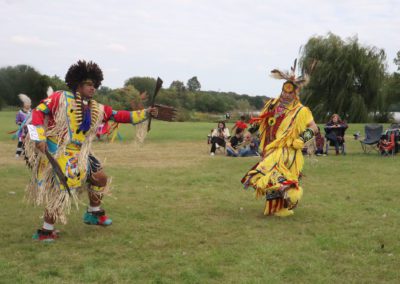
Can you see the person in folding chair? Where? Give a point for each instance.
(389, 143)
(219, 136)
(334, 134)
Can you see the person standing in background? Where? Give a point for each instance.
(19, 119)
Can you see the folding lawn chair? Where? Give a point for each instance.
(373, 133)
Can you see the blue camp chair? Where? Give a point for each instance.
(373, 133)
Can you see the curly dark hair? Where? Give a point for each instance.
(82, 71)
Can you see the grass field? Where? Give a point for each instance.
(181, 216)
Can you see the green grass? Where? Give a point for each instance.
(181, 216)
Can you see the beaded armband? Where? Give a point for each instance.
(307, 135)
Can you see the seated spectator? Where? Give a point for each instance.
(334, 132)
(385, 147)
(250, 146)
(389, 142)
(235, 141)
(240, 124)
(219, 136)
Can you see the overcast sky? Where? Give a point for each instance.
(230, 45)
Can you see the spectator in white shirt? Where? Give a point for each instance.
(219, 136)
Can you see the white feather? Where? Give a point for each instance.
(49, 91)
(25, 99)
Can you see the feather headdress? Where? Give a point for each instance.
(299, 81)
(25, 99)
(83, 71)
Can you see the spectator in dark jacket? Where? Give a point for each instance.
(335, 129)
(232, 145)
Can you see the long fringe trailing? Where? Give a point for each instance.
(141, 132)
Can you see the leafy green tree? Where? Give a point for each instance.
(392, 90)
(203, 102)
(346, 80)
(392, 87)
(104, 91)
(142, 84)
(188, 100)
(178, 86)
(257, 102)
(193, 84)
(397, 60)
(21, 79)
(168, 97)
(243, 105)
(229, 102)
(57, 83)
(120, 99)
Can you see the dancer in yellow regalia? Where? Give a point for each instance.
(285, 125)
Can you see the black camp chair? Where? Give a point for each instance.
(373, 133)
(338, 133)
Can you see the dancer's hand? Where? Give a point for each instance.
(41, 146)
(298, 144)
(153, 111)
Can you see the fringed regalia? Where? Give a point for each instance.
(281, 129)
(68, 124)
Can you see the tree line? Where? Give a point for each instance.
(186, 97)
(347, 78)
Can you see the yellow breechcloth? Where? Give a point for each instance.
(68, 162)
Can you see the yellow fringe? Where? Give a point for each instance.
(141, 132)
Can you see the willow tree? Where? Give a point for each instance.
(347, 78)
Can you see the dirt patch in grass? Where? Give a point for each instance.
(152, 155)
(7, 155)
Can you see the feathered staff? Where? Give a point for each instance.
(153, 99)
(164, 112)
